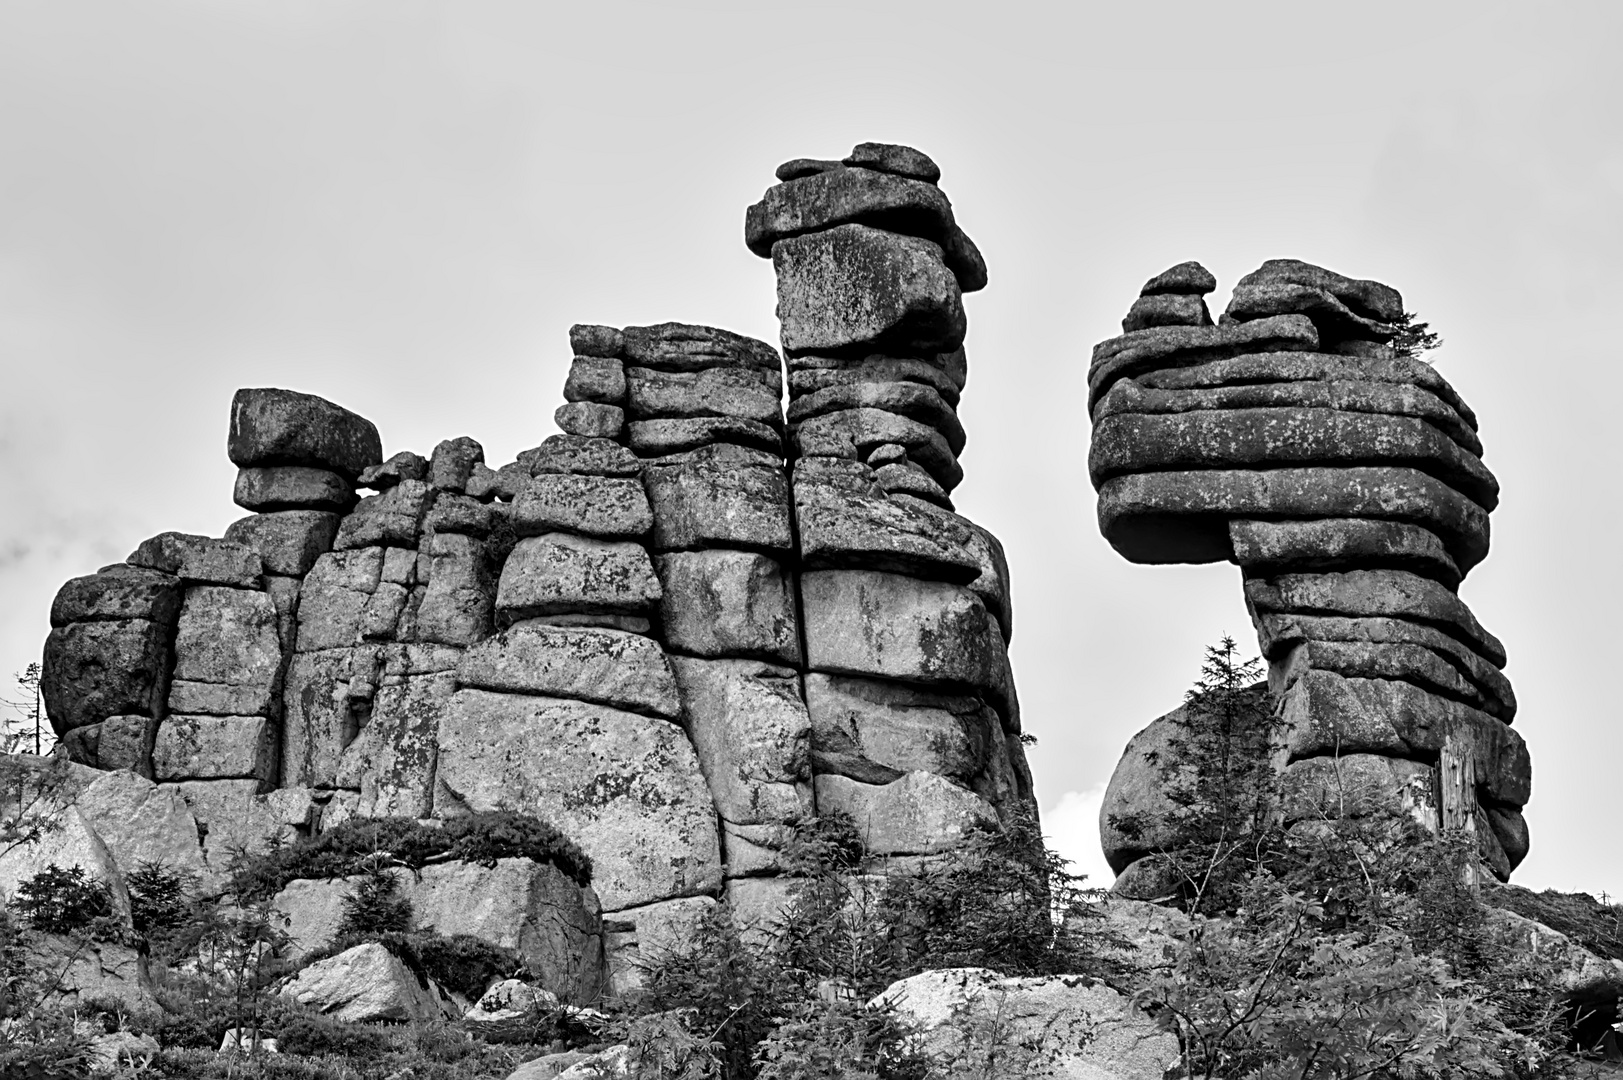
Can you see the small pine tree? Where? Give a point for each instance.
(1414, 339)
(375, 906)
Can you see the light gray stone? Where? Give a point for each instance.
(590, 419)
(855, 433)
(718, 391)
(394, 748)
(215, 748)
(228, 637)
(366, 984)
(721, 603)
(760, 905)
(608, 667)
(920, 814)
(233, 815)
(288, 541)
(910, 399)
(846, 522)
(292, 487)
(560, 573)
(876, 732)
(320, 717)
(749, 727)
(392, 519)
(334, 597)
(458, 606)
(596, 378)
(639, 936)
(626, 788)
(810, 374)
(721, 496)
(1334, 543)
(614, 508)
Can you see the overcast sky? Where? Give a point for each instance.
(402, 206)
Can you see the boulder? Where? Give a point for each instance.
(627, 788)
(314, 910)
(877, 732)
(66, 840)
(292, 487)
(126, 592)
(334, 596)
(1335, 321)
(653, 438)
(393, 518)
(857, 433)
(855, 285)
(281, 427)
(973, 1021)
(142, 822)
(845, 522)
(367, 984)
(559, 573)
(581, 455)
(86, 971)
(1166, 309)
(721, 496)
(587, 339)
(682, 347)
(717, 391)
(589, 419)
(93, 670)
(200, 560)
(596, 378)
(749, 727)
(614, 508)
(608, 667)
(402, 466)
(894, 158)
(288, 541)
(462, 514)
(1369, 299)
(1338, 543)
(721, 603)
(215, 748)
(232, 815)
(458, 606)
(391, 756)
(919, 814)
(1187, 279)
(452, 463)
(119, 742)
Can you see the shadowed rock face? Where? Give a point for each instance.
(1345, 479)
(674, 629)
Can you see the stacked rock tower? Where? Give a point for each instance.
(673, 631)
(1345, 479)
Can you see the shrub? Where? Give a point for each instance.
(312, 1036)
(162, 900)
(375, 906)
(361, 844)
(465, 964)
(58, 901)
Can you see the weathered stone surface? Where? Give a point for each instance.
(681, 347)
(855, 433)
(1358, 786)
(229, 637)
(1187, 278)
(652, 438)
(215, 748)
(1325, 713)
(972, 1021)
(1335, 321)
(393, 752)
(723, 603)
(919, 814)
(906, 478)
(759, 906)
(747, 393)
(123, 593)
(334, 597)
(1261, 368)
(1344, 394)
(1138, 815)
(810, 374)
(596, 378)
(865, 196)
(638, 936)
(91, 971)
(856, 285)
(1374, 593)
(363, 985)
(1142, 352)
(281, 427)
(1270, 438)
(402, 466)
(1166, 309)
(1370, 299)
(894, 158)
(876, 731)
(463, 514)
(1337, 543)
(292, 487)
(459, 603)
(608, 667)
(610, 507)
(910, 399)
(93, 670)
(232, 814)
(795, 168)
(288, 542)
(862, 622)
(845, 523)
(119, 742)
(588, 339)
(721, 496)
(70, 842)
(452, 463)
(1182, 516)
(560, 573)
(391, 519)
(627, 788)
(200, 560)
(580, 455)
(753, 849)
(320, 717)
(749, 728)
(141, 822)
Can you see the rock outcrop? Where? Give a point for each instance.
(685, 623)
(1345, 480)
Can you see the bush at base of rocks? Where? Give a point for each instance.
(461, 963)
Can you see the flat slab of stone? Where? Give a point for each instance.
(652, 438)
(608, 667)
(721, 603)
(282, 427)
(1337, 543)
(1370, 299)
(1143, 351)
(685, 347)
(122, 593)
(857, 433)
(721, 496)
(746, 393)
(582, 456)
(877, 731)
(1336, 321)
(846, 522)
(215, 748)
(614, 508)
(561, 573)
(292, 487)
(627, 788)
(856, 285)
(911, 399)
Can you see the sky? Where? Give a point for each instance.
(403, 205)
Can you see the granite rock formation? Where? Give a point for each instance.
(673, 630)
(1346, 481)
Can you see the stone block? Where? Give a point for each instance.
(292, 487)
(215, 748)
(228, 637)
(846, 522)
(452, 463)
(590, 420)
(876, 731)
(281, 427)
(123, 592)
(719, 391)
(582, 456)
(627, 788)
(560, 573)
(607, 667)
(857, 433)
(93, 670)
(459, 603)
(653, 438)
(287, 541)
(333, 599)
(683, 347)
(391, 755)
(920, 814)
(721, 496)
(614, 508)
(721, 603)
(596, 378)
(637, 937)
(366, 984)
(391, 519)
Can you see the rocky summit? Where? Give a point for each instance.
(690, 620)
(1344, 478)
